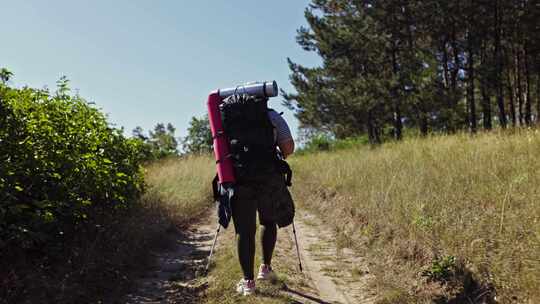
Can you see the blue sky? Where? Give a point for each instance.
(145, 62)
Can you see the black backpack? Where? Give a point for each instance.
(251, 135)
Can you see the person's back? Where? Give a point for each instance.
(263, 189)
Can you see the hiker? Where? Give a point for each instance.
(260, 140)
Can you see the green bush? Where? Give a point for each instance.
(324, 142)
(320, 142)
(61, 166)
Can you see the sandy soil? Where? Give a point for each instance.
(338, 276)
(330, 275)
(173, 278)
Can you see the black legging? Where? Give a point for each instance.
(268, 241)
(260, 194)
(245, 225)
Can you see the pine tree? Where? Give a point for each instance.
(394, 64)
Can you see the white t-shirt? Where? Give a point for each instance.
(282, 131)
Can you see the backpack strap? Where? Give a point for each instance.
(285, 169)
(215, 188)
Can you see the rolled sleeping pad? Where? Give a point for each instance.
(224, 164)
(260, 89)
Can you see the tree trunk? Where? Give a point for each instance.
(445, 65)
(519, 87)
(486, 107)
(528, 110)
(511, 104)
(538, 98)
(422, 116)
(423, 119)
(373, 132)
(498, 58)
(470, 95)
(457, 65)
(448, 88)
(455, 72)
(398, 125)
(484, 91)
(510, 87)
(424, 126)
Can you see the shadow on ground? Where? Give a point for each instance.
(302, 295)
(176, 274)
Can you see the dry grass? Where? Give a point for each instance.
(408, 205)
(226, 272)
(180, 188)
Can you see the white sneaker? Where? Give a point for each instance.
(245, 287)
(266, 273)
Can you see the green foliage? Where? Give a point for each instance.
(437, 66)
(199, 138)
(5, 75)
(61, 165)
(160, 143)
(320, 142)
(163, 142)
(423, 222)
(325, 142)
(441, 269)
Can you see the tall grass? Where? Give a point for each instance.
(180, 187)
(411, 205)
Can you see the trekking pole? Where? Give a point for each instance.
(212, 249)
(297, 250)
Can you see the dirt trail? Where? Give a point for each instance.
(330, 275)
(173, 278)
(338, 275)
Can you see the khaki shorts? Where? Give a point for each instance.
(266, 194)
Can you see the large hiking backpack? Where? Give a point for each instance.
(251, 135)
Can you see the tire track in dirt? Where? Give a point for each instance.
(174, 275)
(339, 276)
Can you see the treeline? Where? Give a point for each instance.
(159, 143)
(162, 143)
(435, 66)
